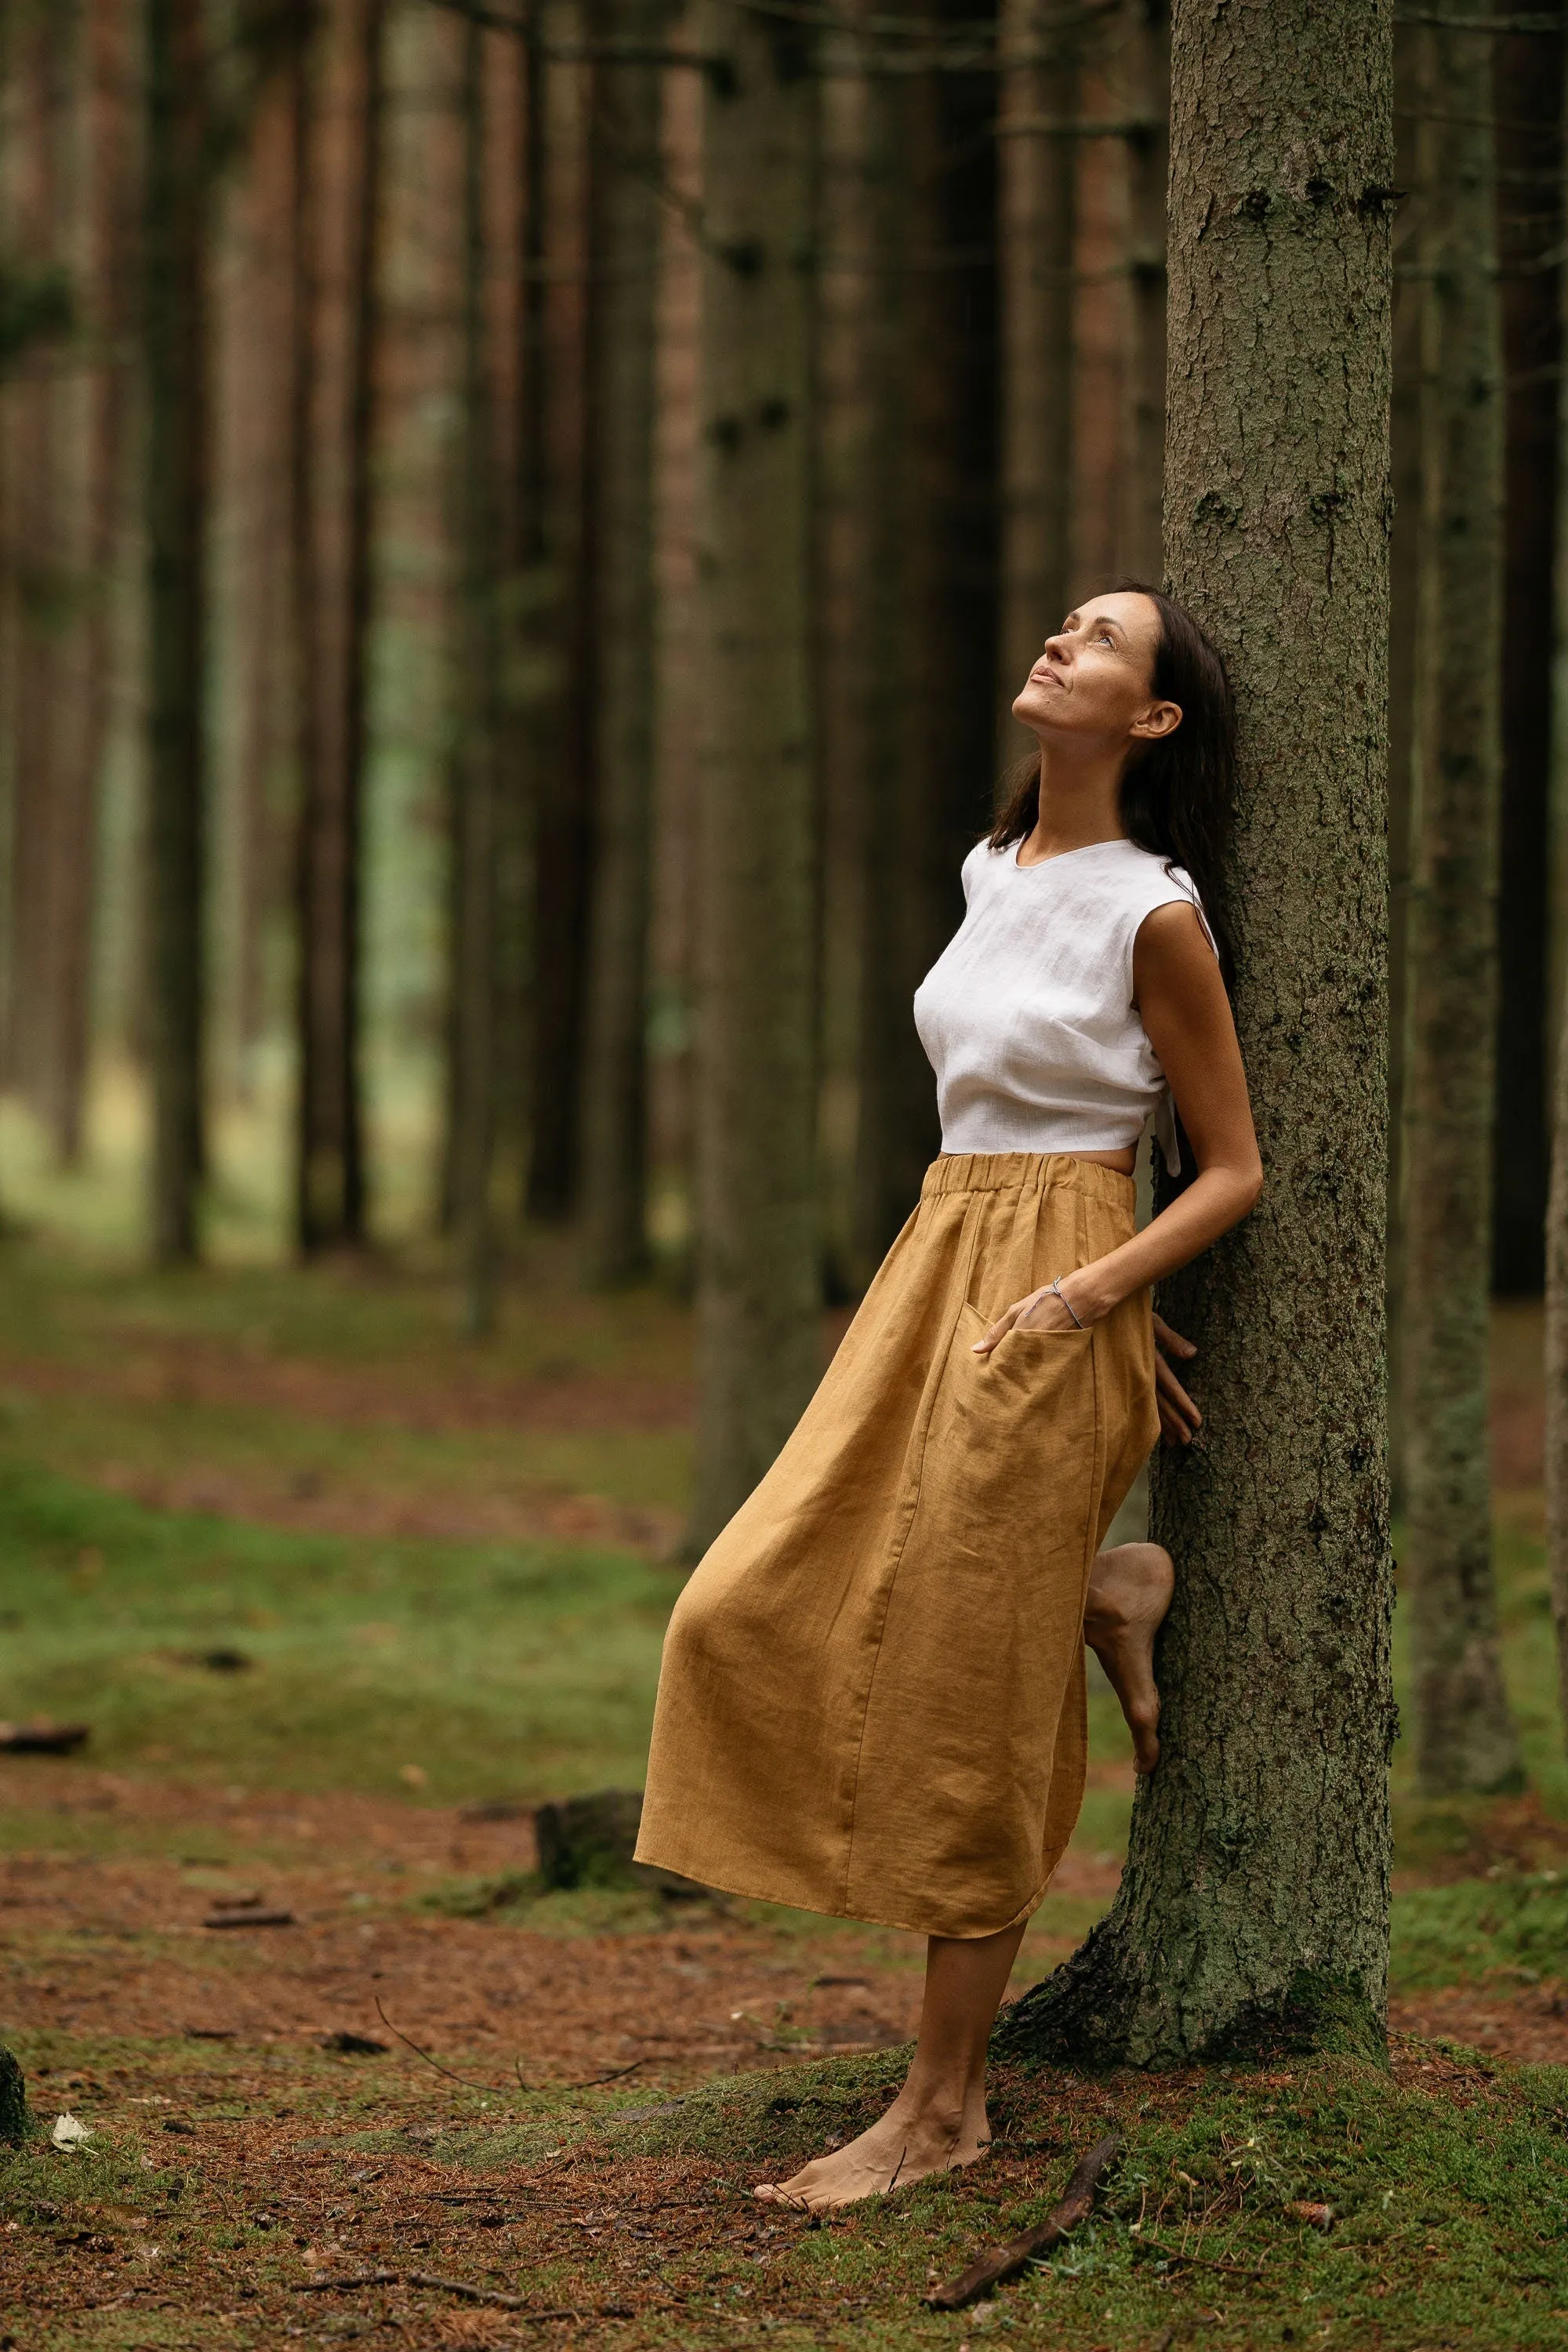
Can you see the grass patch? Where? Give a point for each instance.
(1447, 2189)
(452, 1671)
(1447, 1935)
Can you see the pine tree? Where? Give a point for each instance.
(1255, 1897)
(625, 248)
(175, 345)
(1465, 1736)
(757, 1256)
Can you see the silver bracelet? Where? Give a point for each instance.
(1056, 1287)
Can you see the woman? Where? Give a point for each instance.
(872, 1696)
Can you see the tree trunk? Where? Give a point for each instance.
(624, 258)
(1525, 76)
(61, 531)
(563, 841)
(108, 60)
(176, 499)
(757, 1276)
(1406, 549)
(877, 641)
(1255, 1901)
(1465, 1739)
(334, 407)
(1146, 85)
(1557, 1210)
(940, 670)
(477, 738)
(1037, 159)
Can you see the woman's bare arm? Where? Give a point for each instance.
(1187, 1013)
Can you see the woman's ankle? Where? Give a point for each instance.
(939, 2106)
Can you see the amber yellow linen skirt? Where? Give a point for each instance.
(872, 1696)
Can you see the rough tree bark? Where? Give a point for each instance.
(175, 489)
(334, 412)
(1255, 1899)
(1464, 1737)
(757, 1262)
(625, 250)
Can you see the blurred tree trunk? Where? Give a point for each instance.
(626, 245)
(477, 739)
(109, 261)
(1146, 84)
(563, 840)
(38, 67)
(758, 1274)
(62, 531)
(175, 215)
(1238, 1920)
(938, 658)
(338, 215)
(260, 387)
(1037, 159)
(1556, 1446)
(522, 458)
(1525, 76)
(1410, 47)
(863, 620)
(1465, 1739)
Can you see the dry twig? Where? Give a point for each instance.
(343, 2279)
(461, 2079)
(993, 2270)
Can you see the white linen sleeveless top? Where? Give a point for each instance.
(1027, 1014)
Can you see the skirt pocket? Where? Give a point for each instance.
(1011, 1463)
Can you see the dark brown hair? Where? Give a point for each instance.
(1177, 795)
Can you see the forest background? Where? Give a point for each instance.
(515, 553)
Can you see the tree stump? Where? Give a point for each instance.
(13, 2102)
(590, 1841)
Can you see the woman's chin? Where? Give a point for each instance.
(1033, 707)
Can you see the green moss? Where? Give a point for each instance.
(1448, 2193)
(1445, 1935)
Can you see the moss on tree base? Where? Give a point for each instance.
(1109, 2006)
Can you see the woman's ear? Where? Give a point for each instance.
(1160, 719)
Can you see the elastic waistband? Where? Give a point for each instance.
(1004, 1171)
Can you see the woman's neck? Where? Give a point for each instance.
(1080, 804)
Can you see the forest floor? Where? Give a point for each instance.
(341, 1599)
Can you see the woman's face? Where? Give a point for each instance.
(1093, 683)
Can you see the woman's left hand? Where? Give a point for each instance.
(1042, 1310)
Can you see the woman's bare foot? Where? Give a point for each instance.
(901, 2147)
(1130, 1590)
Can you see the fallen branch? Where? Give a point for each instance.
(436, 2063)
(41, 1739)
(993, 2270)
(473, 2294)
(594, 2080)
(344, 2279)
